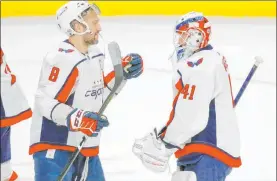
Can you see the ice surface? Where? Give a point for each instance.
(146, 102)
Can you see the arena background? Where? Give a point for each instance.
(112, 8)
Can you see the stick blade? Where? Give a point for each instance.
(115, 55)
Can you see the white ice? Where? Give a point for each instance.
(146, 102)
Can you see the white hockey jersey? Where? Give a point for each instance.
(203, 119)
(69, 79)
(14, 106)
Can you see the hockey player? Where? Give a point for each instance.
(71, 90)
(14, 109)
(202, 128)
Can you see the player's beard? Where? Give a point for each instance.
(91, 39)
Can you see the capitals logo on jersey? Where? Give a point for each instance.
(198, 62)
(66, 50)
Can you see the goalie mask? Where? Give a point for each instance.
(192, 32)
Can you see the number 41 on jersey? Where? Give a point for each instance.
(188, 91)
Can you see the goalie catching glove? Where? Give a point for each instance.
(152, 151)
(89, 123)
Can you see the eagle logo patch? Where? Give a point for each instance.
(193, 64)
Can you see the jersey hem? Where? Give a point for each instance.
(212, 151)
(89, 152)
(9, 121)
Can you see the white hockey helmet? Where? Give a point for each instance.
(73, 11)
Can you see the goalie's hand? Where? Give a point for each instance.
(152, 152)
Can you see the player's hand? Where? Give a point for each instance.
(133, 65)
(89, 123)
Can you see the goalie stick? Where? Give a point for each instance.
(115, 55)
(258, 61)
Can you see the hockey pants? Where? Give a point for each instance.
(207, 169)
(49, 165)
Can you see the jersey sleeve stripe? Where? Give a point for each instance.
(13, 80)
(230, 82)
(2, 54)
(9, 121)
(13, 177)
(211, 151)
(108, 78)
(68, 86)
(179, 86)
(8, 71)
(173, 110)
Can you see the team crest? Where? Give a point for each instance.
(66, 50)
(193, 64)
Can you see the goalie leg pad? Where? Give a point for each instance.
(184, 176)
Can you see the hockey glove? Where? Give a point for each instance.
(152, 152)
(133, 65)
(89, 123)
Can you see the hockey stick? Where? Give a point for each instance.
(258, 61)
(115, 54)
